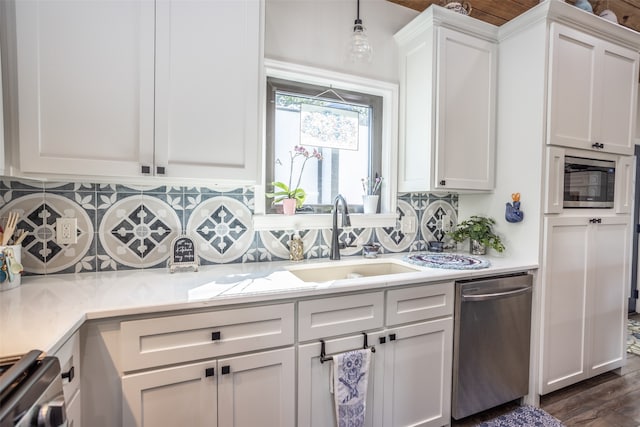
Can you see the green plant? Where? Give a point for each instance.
(286, 191)
(478, 228)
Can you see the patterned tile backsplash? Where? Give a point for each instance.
(132, 227)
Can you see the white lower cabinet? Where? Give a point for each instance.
(417, 374)
(584, 298)
(249, 390)
(315, 400)
(69, 356)
(410, 375)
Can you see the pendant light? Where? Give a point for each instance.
(359, 47)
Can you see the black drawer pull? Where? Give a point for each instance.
(392, 337)
(226, 369)
(215, 336)
(209, 372)
(146, 170)
(69, 375)
(160, 170)
(382, 340)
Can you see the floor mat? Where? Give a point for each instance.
(523, 416)
(633, 336)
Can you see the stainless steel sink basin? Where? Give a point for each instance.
(349, 270)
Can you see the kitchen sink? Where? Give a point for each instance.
(349, 270)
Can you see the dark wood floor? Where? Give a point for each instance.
(608, 400)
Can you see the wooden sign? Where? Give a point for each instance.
(183, 254)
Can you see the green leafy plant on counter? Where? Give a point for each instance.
(478, 228)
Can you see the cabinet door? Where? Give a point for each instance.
(85, 86)
(207, 86)
(315, 401)
(610, 257)
(257, 390)
(592, 91)
(564, 291)
(618, 91)
(573, 63)
(417, 374)
(178, 396)
(465, 113)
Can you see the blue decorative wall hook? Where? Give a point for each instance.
(513, 212)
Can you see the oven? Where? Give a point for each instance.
(588, 183)
(31, 391)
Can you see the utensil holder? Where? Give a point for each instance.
(370, 204)
(10, 278)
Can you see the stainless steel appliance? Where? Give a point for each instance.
(491, 343)
(588, 183)
(31, 392)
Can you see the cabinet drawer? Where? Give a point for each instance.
(419, 303)
(340, 315)
(175, 339)
(69, 357)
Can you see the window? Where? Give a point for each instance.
(345, 127)
(343, 95)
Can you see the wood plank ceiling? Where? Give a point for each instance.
(498, 12)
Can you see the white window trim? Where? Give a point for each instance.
(339, 81)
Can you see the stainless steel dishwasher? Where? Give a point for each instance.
(492, 329)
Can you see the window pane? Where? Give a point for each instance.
(340, 131)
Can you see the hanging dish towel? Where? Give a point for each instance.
(350, 376)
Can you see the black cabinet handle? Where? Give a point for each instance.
(215, 336)
(597, 145)
(145, 169)
(392, 337)
(69, 375)
(382, 340)
(160, 170)
(443, 182)
(226, 369)
(209, 372)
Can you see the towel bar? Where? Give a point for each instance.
(325, 358)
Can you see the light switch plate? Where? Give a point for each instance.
(66, 231)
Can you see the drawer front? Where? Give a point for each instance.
(328, 317)
(174, 339)
(69, 357)
(419, 303)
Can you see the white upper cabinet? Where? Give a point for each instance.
(130, 88)
(207, 87)
(85, 86)
(593, 89)
(448, 83)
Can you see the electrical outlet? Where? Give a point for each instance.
(66, 231)
(446, 223)
(408, 225)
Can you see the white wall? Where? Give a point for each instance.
(316, 33)
(520, 145)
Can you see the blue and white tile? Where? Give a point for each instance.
(137, 231)
(432, 226)
(353, 238)
(222, 228)
(276, 243)
(41, 254)
(393, 239)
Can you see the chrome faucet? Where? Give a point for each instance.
(335, 232)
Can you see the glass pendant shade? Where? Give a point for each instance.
(359, 47)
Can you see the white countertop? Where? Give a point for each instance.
(44, 311)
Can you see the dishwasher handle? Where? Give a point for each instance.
(495, 295)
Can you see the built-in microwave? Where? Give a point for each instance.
(588, 183)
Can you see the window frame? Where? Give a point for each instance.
(311, 91)
(389, 146)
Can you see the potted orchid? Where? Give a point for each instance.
(293, 197)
